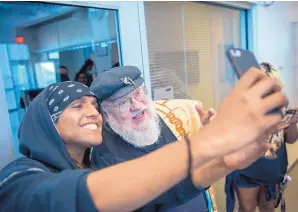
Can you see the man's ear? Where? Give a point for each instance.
(104, 113)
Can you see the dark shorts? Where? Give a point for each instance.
(245, 182)
(270, 189)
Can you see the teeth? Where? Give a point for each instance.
(90, 126)
(138, 115)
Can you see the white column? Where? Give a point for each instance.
(6, 141)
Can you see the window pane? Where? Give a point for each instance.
(187, 48)
(45, 74)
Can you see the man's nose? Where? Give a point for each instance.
(135, 104)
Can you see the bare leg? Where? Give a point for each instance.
(264, 205)
(248, 199)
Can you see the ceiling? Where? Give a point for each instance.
(16, 13)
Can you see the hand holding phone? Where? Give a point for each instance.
(290, 113)
(242, 60)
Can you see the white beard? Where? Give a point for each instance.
(142, 137)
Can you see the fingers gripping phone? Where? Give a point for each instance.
(242, 60)
(291, 112)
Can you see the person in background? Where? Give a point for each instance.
(258, 186)
(87, 70)
(63, 120)
(82, 77)
(63, 71)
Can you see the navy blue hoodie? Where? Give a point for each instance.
(46, 179)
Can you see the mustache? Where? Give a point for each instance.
(137, 112)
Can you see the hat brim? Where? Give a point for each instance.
(127, 89)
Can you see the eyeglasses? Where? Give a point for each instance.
(124, 103)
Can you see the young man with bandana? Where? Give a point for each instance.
(135, 126)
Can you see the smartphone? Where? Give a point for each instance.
(242, 60)
(291, 112)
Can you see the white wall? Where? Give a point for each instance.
(274, 42)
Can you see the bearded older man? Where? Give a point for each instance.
(135, 126)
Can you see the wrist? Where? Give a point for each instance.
(199, 180)
(201, 149)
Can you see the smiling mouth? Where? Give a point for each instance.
(90, 126)
(139, 116)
